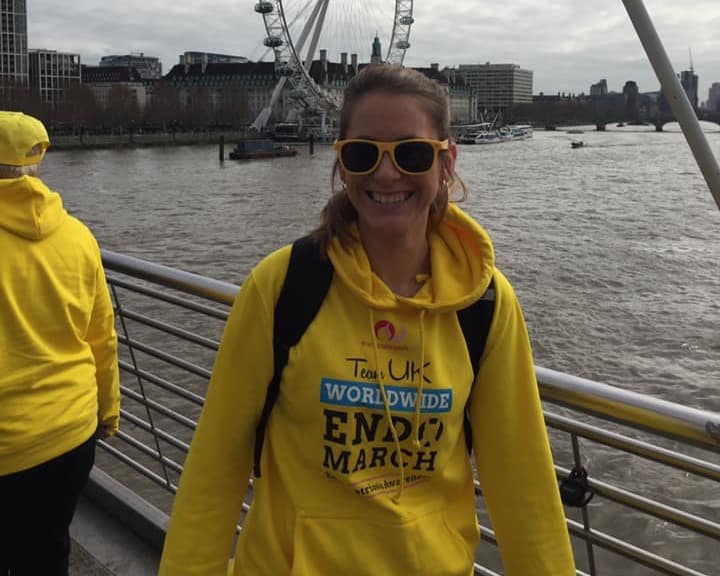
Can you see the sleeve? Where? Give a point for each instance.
(102, 338)
(512, 451)
(213, 484)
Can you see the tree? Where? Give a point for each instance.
(163, 109)
(122, 110)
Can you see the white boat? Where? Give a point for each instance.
(486, 133)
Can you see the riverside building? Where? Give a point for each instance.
(498, 87)
(53, 73)
(149, 67)
(13, 44)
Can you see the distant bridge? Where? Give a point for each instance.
(658, 120)
(573, 114)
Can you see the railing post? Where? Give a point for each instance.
(675, 94)
(585, 514)
(131, 350)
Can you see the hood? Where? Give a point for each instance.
(462, 263)
(28, 208)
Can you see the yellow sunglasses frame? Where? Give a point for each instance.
(389, 147)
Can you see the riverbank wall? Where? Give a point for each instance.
(138, 140)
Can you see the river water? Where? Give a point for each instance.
(613, 248)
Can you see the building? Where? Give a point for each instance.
(149, 67)
(462, 98)
(211, 58)
(498, 87)
(713, 101)
(599, 89)
(13, 44)
(689, 81)
(245, 88)
(53, 73)
(376, 54)
(104, 80)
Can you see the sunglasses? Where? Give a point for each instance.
(412, 156)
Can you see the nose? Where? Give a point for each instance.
(386, 168)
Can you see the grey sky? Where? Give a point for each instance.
(568, 44)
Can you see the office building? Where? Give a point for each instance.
(210, 58)
(53, 73)
(599, 89)
(103, 80)
(713, 101)
(689, 81)
(498, 86)
(149, 67)
(13, 44)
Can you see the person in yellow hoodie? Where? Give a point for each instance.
(365, 469)
(59, 378)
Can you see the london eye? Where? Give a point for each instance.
(296, 30)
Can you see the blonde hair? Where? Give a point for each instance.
(7, 172)
(339, 214)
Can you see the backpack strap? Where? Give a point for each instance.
(475, 323)
(306, 284)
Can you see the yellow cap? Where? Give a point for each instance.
(19, 134)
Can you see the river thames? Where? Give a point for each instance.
(613, 250)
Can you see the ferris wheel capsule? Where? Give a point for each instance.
(273, 41)
(264, 7)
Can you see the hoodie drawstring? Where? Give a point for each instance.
(418, 396)
(386, 403)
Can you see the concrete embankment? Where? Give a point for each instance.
(88, 141)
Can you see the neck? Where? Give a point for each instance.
(398, 260)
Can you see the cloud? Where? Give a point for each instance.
(568, 44)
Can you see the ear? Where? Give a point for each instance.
(448, 161)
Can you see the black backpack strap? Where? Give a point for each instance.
(306, 283)
(475, 323)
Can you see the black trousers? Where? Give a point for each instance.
(36, 507)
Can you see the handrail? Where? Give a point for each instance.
(676, 95)
(641, 411)
(169, 336)
(217, 290)
(701, 427)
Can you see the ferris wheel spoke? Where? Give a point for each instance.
(296, 28)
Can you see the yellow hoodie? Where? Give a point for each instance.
(58, 349)
(336, 495)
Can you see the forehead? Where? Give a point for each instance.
(386, 116)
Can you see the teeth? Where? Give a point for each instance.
(390, 198)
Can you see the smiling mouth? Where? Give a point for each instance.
(395, 198)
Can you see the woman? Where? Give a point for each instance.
(364, 467)
(59, 375)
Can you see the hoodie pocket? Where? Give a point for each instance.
(325, 546)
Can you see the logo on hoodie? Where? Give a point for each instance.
(386, 332)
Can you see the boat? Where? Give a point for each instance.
(256, 149)
(577, 144)
(287, 132)
(486, 133)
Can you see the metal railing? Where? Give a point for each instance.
(652, 465)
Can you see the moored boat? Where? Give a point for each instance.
(486, 133)
(256, 149)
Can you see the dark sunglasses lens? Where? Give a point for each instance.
(359, 156)
(415, 156)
